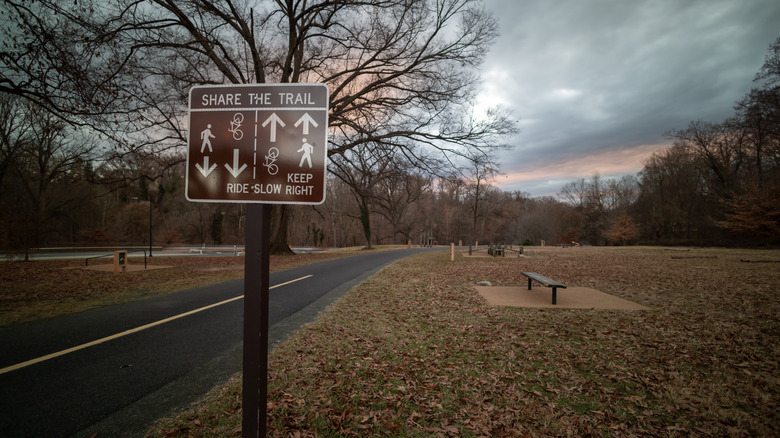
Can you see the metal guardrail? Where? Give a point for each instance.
(87, 259)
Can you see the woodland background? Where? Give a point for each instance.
(67, 179)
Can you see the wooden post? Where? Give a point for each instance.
(452, 252)
(256, 279)
(120, 261)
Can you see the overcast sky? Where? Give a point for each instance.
(595, 85)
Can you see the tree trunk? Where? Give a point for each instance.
(474, 223)
(365, 219)
(279, 219)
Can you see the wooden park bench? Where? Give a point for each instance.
(541, 279)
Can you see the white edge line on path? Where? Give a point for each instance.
(131, 331)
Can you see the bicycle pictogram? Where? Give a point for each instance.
(238, 119)
(270, 159)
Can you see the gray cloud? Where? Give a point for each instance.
(588, 77)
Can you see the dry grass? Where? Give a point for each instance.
(415, 351)
(41, 289)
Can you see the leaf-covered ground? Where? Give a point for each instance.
(415, 351)
(40, 289)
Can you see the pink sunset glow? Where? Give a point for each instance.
(556, 173)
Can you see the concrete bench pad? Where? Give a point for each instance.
(539, 296)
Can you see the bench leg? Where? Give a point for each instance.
(529, 284)
(555, 301)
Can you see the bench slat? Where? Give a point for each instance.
(533, 276)
(549, 282)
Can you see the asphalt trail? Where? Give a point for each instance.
(120, 386)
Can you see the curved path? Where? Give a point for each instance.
(114, 370)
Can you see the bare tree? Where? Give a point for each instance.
(758, 113)
(13, 129)
(363, 169)
(672, 203)
(401, 73)
(45, 167)
(594, 210)
(722, 149)
(396, 195)
(574, 192)
(481, 169)
(450, 193)
(770, 70)
(621, 193)
(337, 212)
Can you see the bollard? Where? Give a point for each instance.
(452, 252)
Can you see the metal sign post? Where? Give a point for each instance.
(257, 144)
(256, 285)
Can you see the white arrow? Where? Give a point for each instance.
(273, 120)
(206, 170)
(235, 170)
(306, 119)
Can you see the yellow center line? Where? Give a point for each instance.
(131, 331)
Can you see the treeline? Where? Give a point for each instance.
(719, 183)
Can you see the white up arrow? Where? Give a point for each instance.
(235, 170)
(273, 120)
(206, 170)
(306, 119)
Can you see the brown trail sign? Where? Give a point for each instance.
(263, 143)
(259, 144)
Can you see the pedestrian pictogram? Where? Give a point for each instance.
(206, 136)
(264, 143)
(307, 149)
